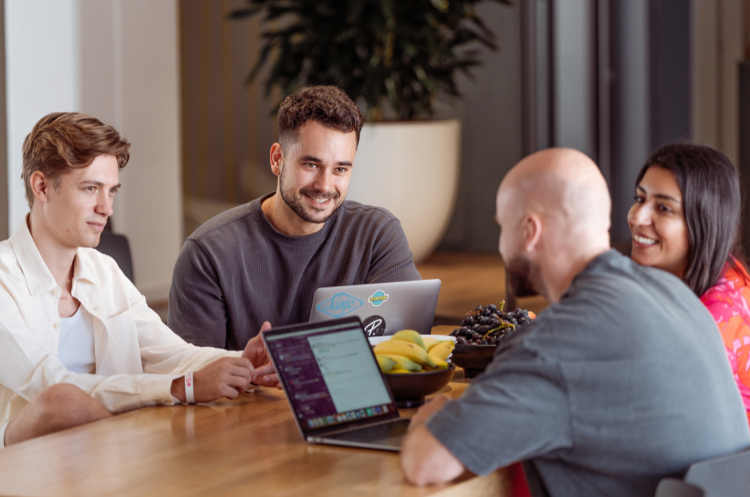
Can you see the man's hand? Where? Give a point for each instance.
(225, 377)
(424, 460)
(256, 353)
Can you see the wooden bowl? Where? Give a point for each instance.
(473, 358)
(409, 390)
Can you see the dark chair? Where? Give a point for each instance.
(725, 476)
(118, 248)
(537, 487)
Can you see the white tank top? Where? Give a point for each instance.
(76, 345)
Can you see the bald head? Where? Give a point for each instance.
(562, 186)
(553, 208)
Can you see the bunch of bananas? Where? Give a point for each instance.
(407, 352)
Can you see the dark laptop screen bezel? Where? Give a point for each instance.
(305, 430)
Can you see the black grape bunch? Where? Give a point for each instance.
(489, 325)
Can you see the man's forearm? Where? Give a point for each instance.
(425, 461)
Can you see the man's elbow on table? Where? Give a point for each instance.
(425, 461)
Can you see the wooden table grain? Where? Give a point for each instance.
(247, 446)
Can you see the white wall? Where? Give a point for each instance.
(116, 60)
(41, 44)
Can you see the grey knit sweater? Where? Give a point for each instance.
(237, 271)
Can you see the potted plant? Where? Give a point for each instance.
(393, 57)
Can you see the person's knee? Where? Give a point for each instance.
(67, 405)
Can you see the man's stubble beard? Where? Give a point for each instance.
(521, 277)
(295, 202)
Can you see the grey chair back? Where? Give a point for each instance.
(726, 476)
(672, 487)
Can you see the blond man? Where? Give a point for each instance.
(77, 340)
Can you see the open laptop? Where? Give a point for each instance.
(334, 386)
(384, 308)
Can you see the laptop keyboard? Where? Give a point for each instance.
(373, 433)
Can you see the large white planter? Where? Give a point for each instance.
(411, 169)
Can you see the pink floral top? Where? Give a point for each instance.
(727, 301)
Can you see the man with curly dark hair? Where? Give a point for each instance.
(263, 261)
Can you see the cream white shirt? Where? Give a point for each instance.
(76, 343)
(137, 356)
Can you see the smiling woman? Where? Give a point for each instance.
(657, 222)
(686, 220)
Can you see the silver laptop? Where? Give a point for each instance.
(334, 386)
(384, 308)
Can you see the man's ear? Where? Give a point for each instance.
(532, 231)
(277, 158)
(40, 186)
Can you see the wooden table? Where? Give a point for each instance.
(249, 446)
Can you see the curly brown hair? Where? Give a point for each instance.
(328, 105)
(68, 139)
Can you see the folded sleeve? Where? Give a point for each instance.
(514, 411)
(27, 368)
(163, 351)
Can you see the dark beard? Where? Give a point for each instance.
(520, 280)
(294, 201)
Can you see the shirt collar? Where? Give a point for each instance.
(602, 263)
(35, 271)
(38, 276)
(84, 268)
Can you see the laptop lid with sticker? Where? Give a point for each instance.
(383, 308)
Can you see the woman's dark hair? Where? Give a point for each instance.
(712, 204)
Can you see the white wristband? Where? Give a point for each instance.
(189, 395)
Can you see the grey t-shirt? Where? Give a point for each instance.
(237, 271)
(621, 383)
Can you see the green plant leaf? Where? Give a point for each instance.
(396, 56)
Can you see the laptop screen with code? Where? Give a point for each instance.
(330, 374)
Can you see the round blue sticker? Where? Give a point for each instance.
(378, 298)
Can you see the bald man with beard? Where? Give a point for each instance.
(620, 382)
